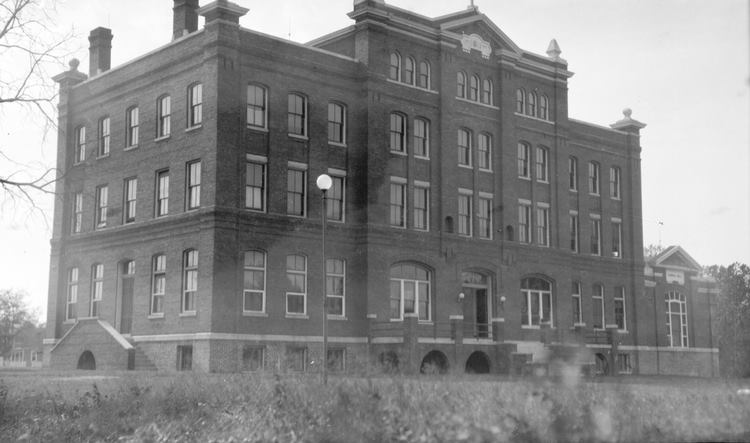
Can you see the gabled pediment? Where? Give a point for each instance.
(479, 26)
(676, 258)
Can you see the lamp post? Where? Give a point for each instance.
(324, 183)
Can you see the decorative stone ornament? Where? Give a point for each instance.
(474, 41)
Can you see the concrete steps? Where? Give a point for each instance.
(140, 361)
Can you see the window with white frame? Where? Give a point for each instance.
(484, 151)
(335, 199)
(71, 299)
(335, 286)
(573, 226)
(596, 236)
(542, 225)
(544, 107)
(296, 190)
(336, 123)
(254, 286)
(422, 206)
(163, 116)
(189, 280)
(296, 285)
(297, 115)
(487, 91)
(158, 284)
(421, 138)
(620, 314)
(130, 194)
(76, 224)
(131, 127)
(573, 174)
(484, 217)
(255, 185)
(616, 238)
(398, 133)
(162, 193)
(474, 88)
(597, 308)
(576, 299)
(193, 197)
(103, 145)
(102, 197)
(257, 104)
(531, 104)
(524, 222)
(409, 66)
(410, 291)
(524, 160)
(394, 71)
(614, 182)
(80, 144)
(424, 75)
(97, 288)
(536, 307)
(677, 325)
(195, 105)
(464, 147)
(593, 178)
(460, 85)
(520, 101)
(398, 204)
(542, 164)
(464, 213)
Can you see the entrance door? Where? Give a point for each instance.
(127, 283)
(476, 312)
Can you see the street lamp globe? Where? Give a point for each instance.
(324, 182)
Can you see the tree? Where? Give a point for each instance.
(652, 251)
(15, 315)
(30, 52)
(733, 317)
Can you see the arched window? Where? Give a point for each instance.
(461, 85)
(424, 75)
(474, 88)
(409, 71)
(544, 107)
(410, 291)
(677, 325)
(487, 91)
(531, 104)
(394, 73)
(537, 302)
(520, 101)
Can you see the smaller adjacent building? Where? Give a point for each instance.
(27, 348)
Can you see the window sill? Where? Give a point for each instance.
(297, 316)
(523, 177)
(531, 117)
(421, 157)
(103, 156)
(578, 325)
(299, 137)
(70, 322)
(574, 191)
(260, 211)
(397, 227)
(337, 317)
(162, 138)
(486, 170)
(422, 229)
(530, 327)
(188, 314)
(296, 216)
(337, 144)
(193, 128)
(254, 314)
(477, 102)
(544, 182)
(128, 222)
(465, 166)
(398, 152)
(257, 128)
(616, 198)
(410, 86)
(156, 316)
(594, 195)
(130, 148)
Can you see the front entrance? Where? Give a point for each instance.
(476, 305)
(126, 284)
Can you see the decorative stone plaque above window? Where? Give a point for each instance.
(676, 277)
(474, 41)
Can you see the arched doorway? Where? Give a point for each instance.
(602, 366)
(478, 363)
(388, 361)
(476, 304)
(86, 361)
(435, 362)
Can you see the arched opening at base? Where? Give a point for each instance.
(435, 362)
(388, 361)
(602, 366)
(478, 363)
(86, 361)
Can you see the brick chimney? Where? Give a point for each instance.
(185, 18)
(100, 51)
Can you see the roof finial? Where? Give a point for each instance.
(553, 50)
(472, 5)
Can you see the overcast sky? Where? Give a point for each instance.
(681, 65)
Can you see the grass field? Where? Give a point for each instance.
(96, 406)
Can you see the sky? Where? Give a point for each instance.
(682, 66)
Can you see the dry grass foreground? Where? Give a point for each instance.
(265, 408)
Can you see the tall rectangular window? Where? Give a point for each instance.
(422, 207)
(72, 295)
(524, 223)
(131, 127)
(573, 225)
(335, 286)
(195, 105)
(596, 236)
(336, 123)
(464, 214)
(185, 357)
(484, 151)
(598, 307)
(189, 280)
(163, 116)
(256, 106)
(464, 147)
(335, 199)
(193, 175)
(297, 115)
(542, 225)
(542, 165)
(162, 193)
(421, 138)
(254, 289)
(573, 174)
(296, 285)
(100, 217)
(524, 160)
(296, 188)
(97, 288)
(484, 217)
(619, 302)
(255, 186)
(80, 144)
(158, 284)
(614, 182)
(103, 145)
(576, 298)
(131, 192)
(616, 238)
(398, 133)
(593, 178)
(398, 205)
(76, 224)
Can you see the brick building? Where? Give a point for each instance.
(471, 224)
